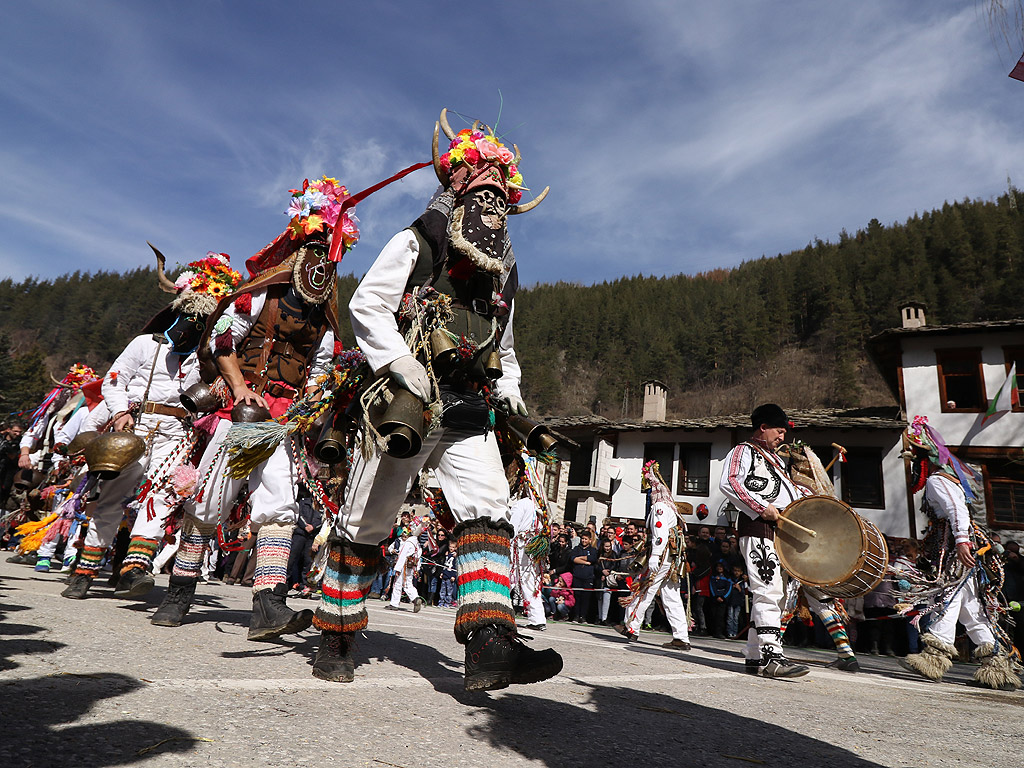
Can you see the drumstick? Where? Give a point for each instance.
(808, 531)
(842, 452)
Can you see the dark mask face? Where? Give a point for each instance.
(185, 333)
(314, 274)
(480, 219)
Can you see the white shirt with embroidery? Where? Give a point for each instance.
(129, 376)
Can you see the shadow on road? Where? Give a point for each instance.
(39, 715)
(641, 728)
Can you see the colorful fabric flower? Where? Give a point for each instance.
(317, 206)
(473, 148)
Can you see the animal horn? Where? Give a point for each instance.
(60, 383)
(444, 125)
(437, 157)
(530, 205)
(165, 283)
(517, 158)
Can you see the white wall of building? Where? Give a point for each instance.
(921, 388)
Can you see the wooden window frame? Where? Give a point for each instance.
(854, 453)
(963, 352)
(681, 474)
(1011, 353)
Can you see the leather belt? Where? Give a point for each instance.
(165, 410)
(261, 385)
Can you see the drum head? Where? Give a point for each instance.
(833, 554)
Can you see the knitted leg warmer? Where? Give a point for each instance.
(273, 545)
(90, 561)
(996, 670)
(482, 567)
(934, 661)
(140, 554)
(195, 538)
(836, 631)
(348, 576)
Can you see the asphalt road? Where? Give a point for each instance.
(93, 683)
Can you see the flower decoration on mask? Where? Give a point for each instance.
(316, 208)
(474, 149)
(205, 282)
(79, 374)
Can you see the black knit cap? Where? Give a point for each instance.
(769, 414)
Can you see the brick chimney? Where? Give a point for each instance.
(912, 314)
(655, 401)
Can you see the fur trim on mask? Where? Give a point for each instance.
(481, 260)
(192, 303)
(934, 661)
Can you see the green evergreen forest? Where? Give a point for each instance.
(789, 328)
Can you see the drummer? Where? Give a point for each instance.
(755, 480)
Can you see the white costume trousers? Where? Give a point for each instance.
(671, 603)
(403, 583)
(764, 576)
(115, 493)
(967, 608)
(467, 467)
(272, 485)
(529, 583)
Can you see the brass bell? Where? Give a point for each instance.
(82, 439)
(28, 479)
(249, 413)
(442, 350)
(402, 424)
(200, 398)
(111, 452)
(330, 446)
(536, 437)
(493, 365)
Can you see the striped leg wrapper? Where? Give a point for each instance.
(273, 545)
(482, 567)
(348, 577)
(90, 561)
(195, 538)
(140, 554)
(836, 631)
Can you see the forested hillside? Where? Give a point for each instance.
(789, 327)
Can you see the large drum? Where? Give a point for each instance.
(847, 558)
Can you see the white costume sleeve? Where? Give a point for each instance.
(97, 417)
(948, 500)
(737, 465)
(241, 322)
(511, 373)
(31, 436)
(377, 299)
(324, 356)
(70, 429)
(127, 365)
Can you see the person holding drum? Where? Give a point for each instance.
(966, 588)
(755, 480)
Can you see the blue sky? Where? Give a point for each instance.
(676, 136)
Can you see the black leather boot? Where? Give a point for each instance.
(77, 587)
(496, 657)
(180, 592)
(334, 657)
(135, 582)
(272, 618)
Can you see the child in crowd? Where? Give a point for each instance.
(448, 574)
(721, 588)
(561, 599)
(736, 601)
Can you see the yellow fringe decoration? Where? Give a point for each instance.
(32, 533)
